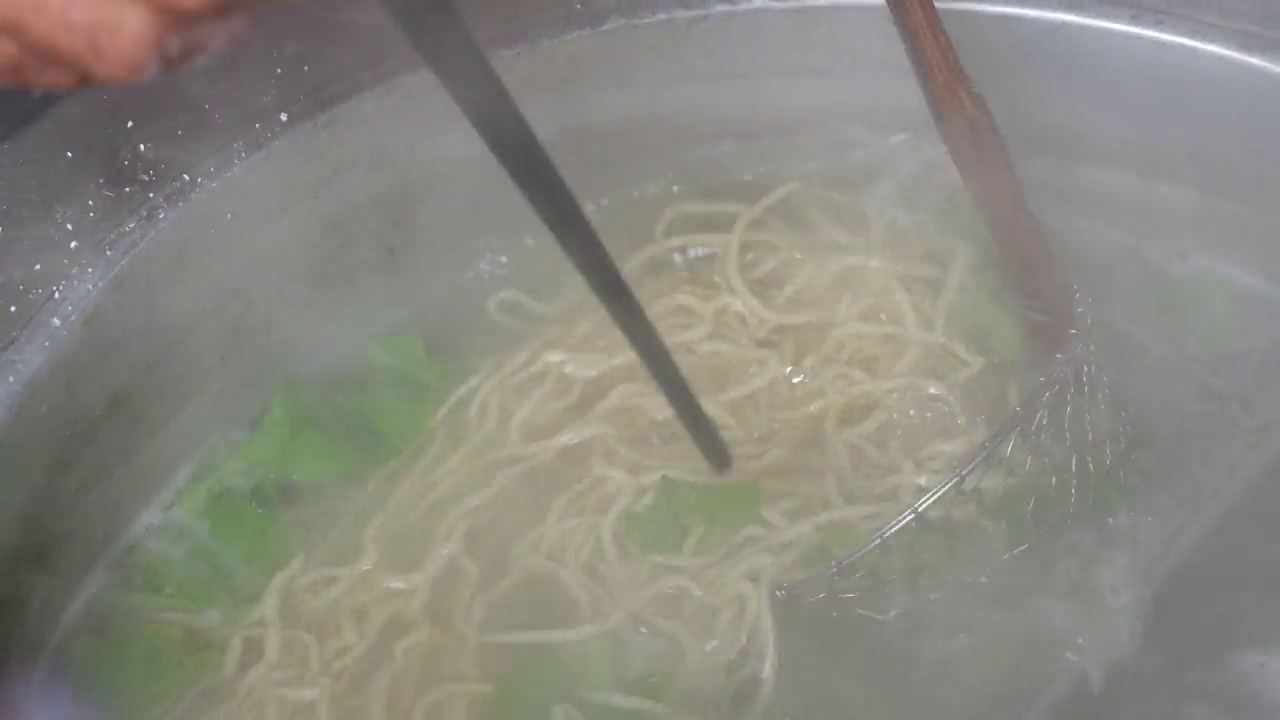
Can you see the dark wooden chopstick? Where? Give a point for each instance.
(437, 32)
(978, 150)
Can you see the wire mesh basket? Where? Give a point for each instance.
(1057, 459)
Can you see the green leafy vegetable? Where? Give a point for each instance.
(654, 527)
(594, 664)
(250, 535)
(994, 324)
(220, 467)
(1039, 508)
(837, 542)
(333, 428)
(716, 506)
(544, 678)
(989, 315)
(651, 686)
(678, 507)
(405, 354)
(841, 540)
(397, 415)
(224, 539)
(538, 682)
(215, 551)
(221, 560)
(143, 668)
(310, 433)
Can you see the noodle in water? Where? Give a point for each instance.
(556, 548)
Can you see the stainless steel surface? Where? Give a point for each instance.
(169, 252)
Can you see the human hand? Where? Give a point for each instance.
(64, 44)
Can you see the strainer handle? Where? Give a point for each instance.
(978, 151)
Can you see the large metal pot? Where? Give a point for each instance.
(168, 253)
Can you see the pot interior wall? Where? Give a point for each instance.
(1150, 161)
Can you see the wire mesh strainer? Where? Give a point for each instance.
(1058, 457)
(1059, 451)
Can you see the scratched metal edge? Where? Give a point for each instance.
(49, 327)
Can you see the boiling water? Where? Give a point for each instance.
(553, 547)
(385, 217)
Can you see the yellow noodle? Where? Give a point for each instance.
(819, 340)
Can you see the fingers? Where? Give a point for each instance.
(60, 44)
(190, 7)
(198, 40)
(20, 66)
(11, 54)
(111, 41)
(51, 76)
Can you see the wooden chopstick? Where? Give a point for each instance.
(979, 153)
